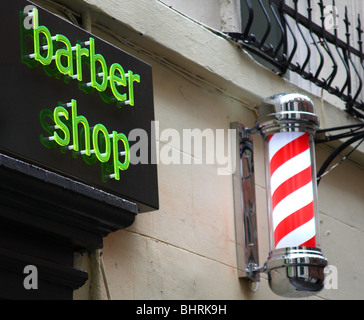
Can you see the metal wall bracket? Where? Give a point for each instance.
(245, 205)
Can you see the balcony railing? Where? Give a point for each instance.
(333, 64)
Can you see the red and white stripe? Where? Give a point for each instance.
(291, 190)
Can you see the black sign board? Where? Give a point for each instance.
(75, 104)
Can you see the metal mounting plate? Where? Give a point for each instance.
(245, 205)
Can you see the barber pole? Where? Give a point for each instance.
(287, 123)
(291, 190)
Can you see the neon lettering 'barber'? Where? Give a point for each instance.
(96, 57)
(38, 30)
(64, 53)
(116, 79)
(79, 53)
(101, 77)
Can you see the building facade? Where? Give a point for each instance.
(204, 80)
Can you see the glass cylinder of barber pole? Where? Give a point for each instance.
(295, 264)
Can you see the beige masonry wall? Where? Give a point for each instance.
(186, 249)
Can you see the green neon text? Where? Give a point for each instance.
(70, 61)
(72, 132)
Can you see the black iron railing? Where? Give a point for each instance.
(331, 63)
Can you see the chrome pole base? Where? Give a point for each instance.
(296, 272)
